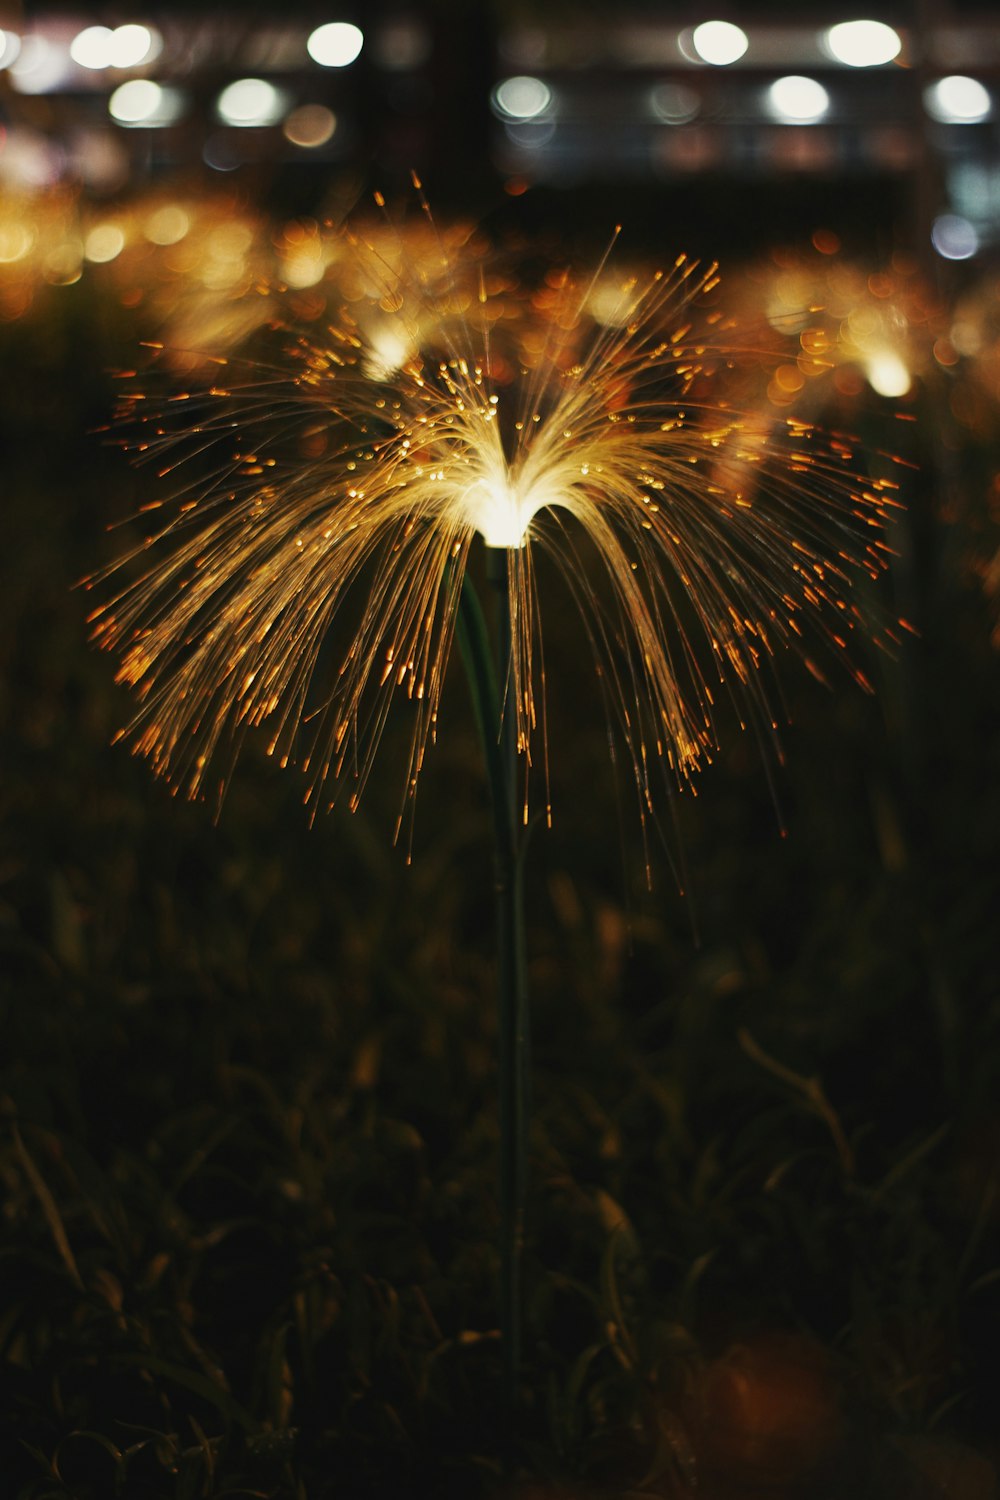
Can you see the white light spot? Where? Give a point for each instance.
(250, 101)
(91, 48)
(863, 44)
(521, 98)
(40, 66)
(719, 42)
(140, 101)
(957, 101)
(953, 237)
(133, 44)
(335, 45)
(797, 99)
(10, 46)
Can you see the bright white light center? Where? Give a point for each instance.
(719, 42)
(336, 44)
(863, 44)
(249, 102)
(522, 98)
(957, 100)
(140, 101)
(501, 513)
(887, 373)
(797, 99)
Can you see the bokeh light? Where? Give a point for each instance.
(863, 44)
(522, 98)
(719, 42)
(143, 102)
(797, 100)
(250, 102)
(953, 237)
(957, 100)
(335, 45)
(310, 125)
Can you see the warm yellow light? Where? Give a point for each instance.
(103, 243)
(167, 225)
(15, 242)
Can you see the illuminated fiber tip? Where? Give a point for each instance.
(363, 460)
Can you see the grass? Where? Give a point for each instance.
(249, 1141)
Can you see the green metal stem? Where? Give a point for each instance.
(496, 714)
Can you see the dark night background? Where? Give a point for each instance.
(247, 1080)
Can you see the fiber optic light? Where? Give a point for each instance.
(797, 100)
(335, 45)
(957, 101)
(249, 102)
(521, 98)
(140, 101)
(953, 237)
(719, 42)
(863, 44)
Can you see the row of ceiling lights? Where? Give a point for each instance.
(37, 62)
(855, 44)
(793, 99)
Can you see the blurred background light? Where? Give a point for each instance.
(402, 45)
(103, 243)
(674, 103)
(40, 66)
(140, 101)
(249, 102)
(127, 46)
(91, 48)
(719, 42)
(335, 45)
(310, 125)
(167, 225)
(797, 100)
(863, 44)
(953, 237)
(887, 374)
(10, 46)
(957, 100)
(521, 98)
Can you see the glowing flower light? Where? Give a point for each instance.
(694, 544)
